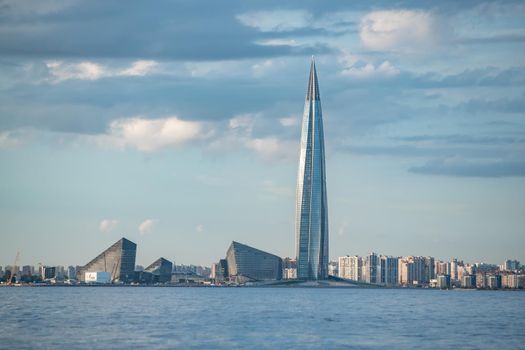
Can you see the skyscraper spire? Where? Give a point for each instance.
(313, 85)
(311, 226)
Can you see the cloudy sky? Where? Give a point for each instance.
(176, 125)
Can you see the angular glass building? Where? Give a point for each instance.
(311, 225)
(119, 260)
(250, 264)
(161, 270)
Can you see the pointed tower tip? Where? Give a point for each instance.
(313, 86)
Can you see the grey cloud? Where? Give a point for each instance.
(506, 105)
(462, 139)
(465, 168)
(496, 39)
(168, 30)
(425, 151)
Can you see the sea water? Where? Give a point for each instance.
(260, 318)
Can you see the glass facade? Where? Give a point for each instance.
(119, 260)
(245, 263)
(161, 270)
(311, 226)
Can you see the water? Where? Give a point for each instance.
(263, 318)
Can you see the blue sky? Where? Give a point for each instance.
(177, 126)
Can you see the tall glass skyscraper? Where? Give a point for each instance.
(311, 223)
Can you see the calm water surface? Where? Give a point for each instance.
(263, 318)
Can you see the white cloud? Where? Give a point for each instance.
(82, 71)
(243, 122)
(146, 227)
(199, 228)
(385, 69)
(139, 68)
(289, 121)
(152, 134)
(260, 68)
(240, 135)
(278, 42)
(400, 30)
(272, 148)
(107, 225)
(276, 21)
(8, 140)
(61, 71)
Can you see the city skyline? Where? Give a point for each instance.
(116, 122)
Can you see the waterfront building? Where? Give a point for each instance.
(388, 270)
(99, 277)
(418, 270)
(351, 267)
(1, 272)
(290, 273)
(27, 270)
(187, 277)
(510, 265)
(311, 226)
(494, 282)
(60, 272)
(48, 272)
(481, 280)
(118, 260)
(471, 269)
(196, 269)
(513, 281)
(430, 272)
(250, 264)
(219, 271)
(370, 268)
(12, 270)
(71, 273)
(405, 272)
(333, 268)
(161, 270)
(468, 281)
(454, 270)
(487, 268)
(441, 268)
(289, 263)
(443, 281)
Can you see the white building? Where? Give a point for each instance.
(350, 267)
(98, 277)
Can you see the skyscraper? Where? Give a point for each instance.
(311, 225)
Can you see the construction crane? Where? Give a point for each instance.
(14, 269)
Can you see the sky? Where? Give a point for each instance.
(177, 125)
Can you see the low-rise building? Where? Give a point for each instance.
(246, 263)
(443, 281)
(161, 270)
(494, 282)
(100, 277)
(290, 273)
(513, 281)
(468, 281)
